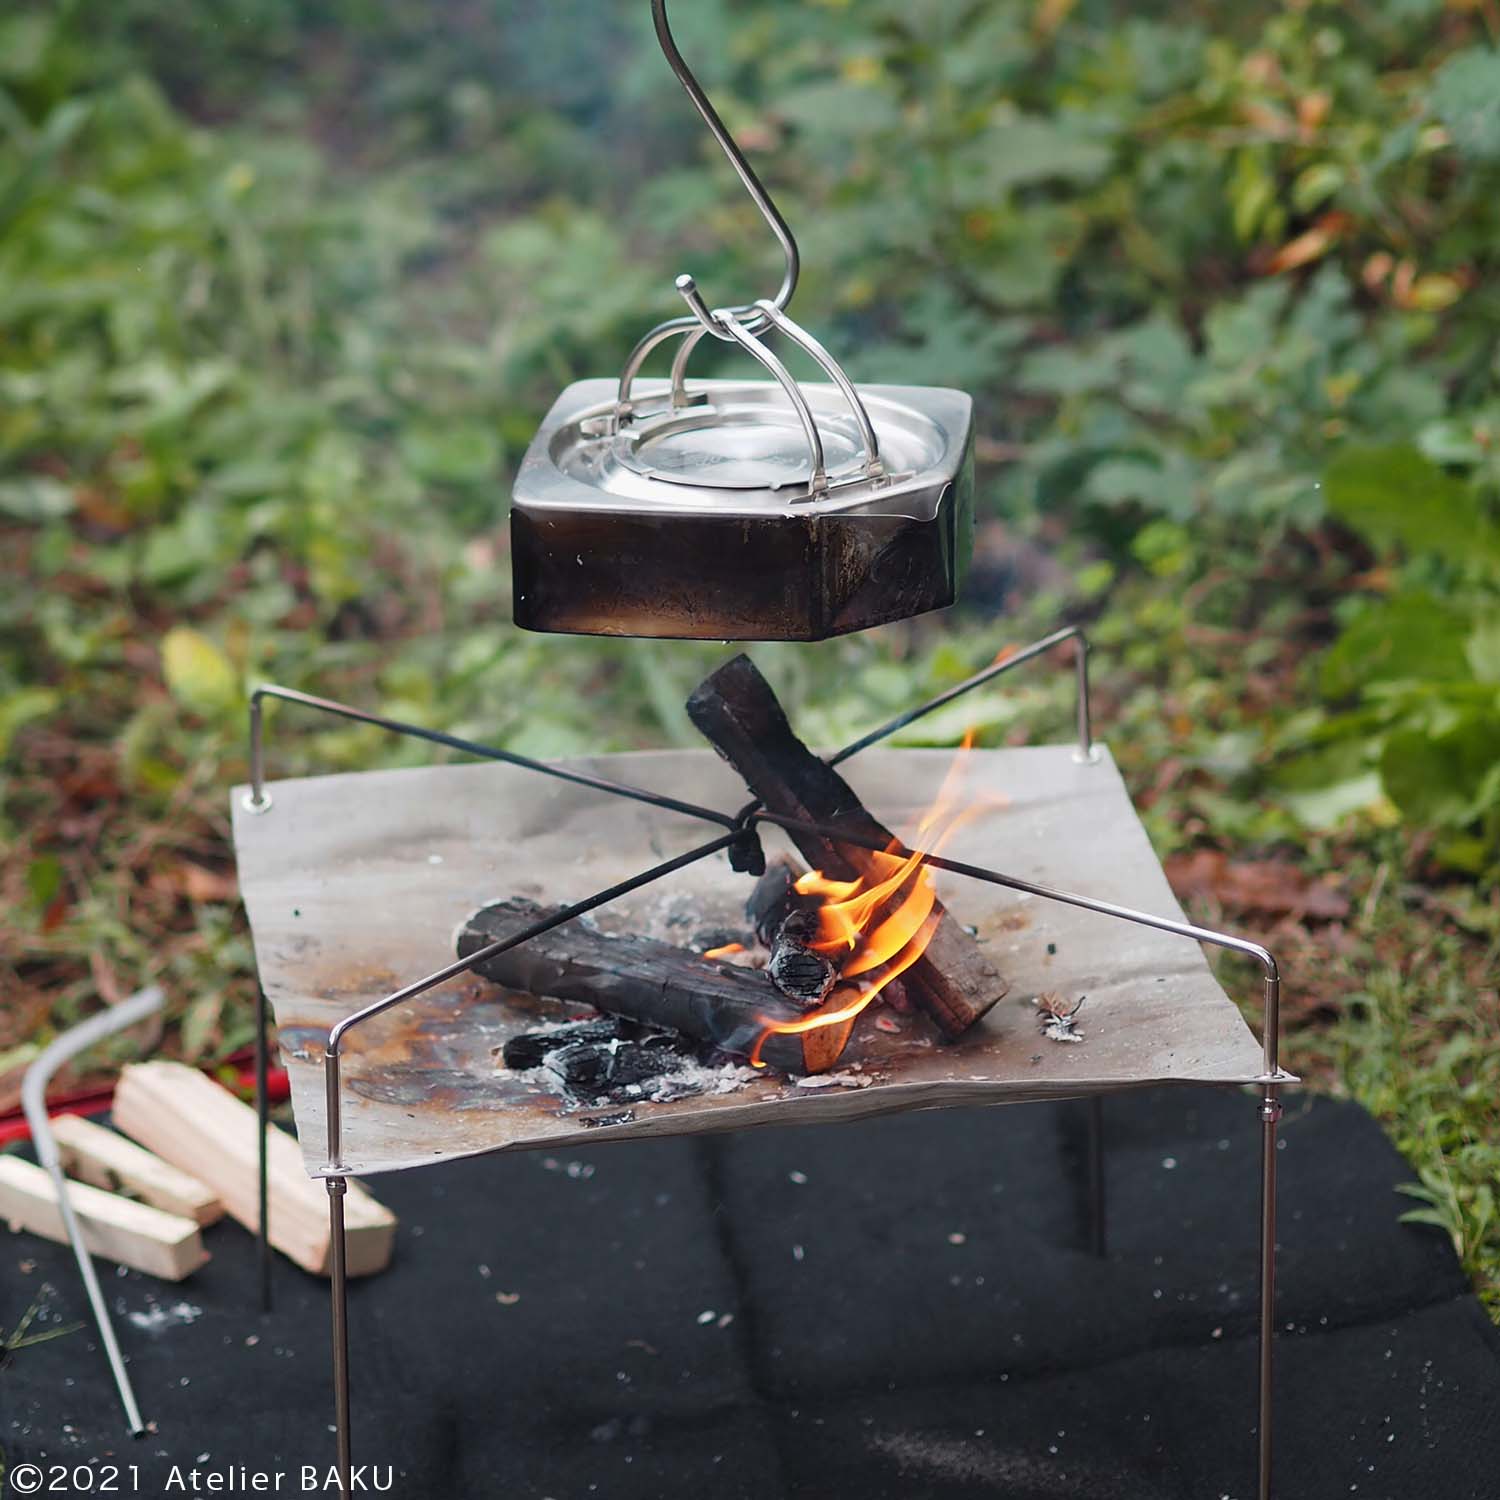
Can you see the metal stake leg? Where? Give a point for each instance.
(1270, 1114)
(1097, 1229)
(340, 1299)
(263, 1117)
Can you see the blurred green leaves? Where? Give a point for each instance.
(1466, 98)
(1396, 497)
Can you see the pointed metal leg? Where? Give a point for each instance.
(263, 1115)
(340, 1298)
(1097, 1205)
(1270, 1114)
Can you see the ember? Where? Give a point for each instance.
(725, 950)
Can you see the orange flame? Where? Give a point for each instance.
(725, 951)
(881, 921)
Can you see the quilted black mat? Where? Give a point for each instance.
(896, 1309)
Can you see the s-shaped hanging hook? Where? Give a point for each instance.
(750, 315)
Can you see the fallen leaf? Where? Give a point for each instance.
(200, 885)
(1312, 244)
(1275, 887)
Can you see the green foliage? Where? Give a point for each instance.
(1394, 496)
(1423, 659)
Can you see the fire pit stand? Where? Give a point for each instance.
(738, 834)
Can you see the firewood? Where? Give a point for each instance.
(775, 897)
(114, 1228)
(105, 1160)
(802, 975)
(953, 980)
(201, 1127)
(724, 1004)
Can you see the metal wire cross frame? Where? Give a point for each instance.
(738, 835)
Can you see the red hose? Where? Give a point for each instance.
(97, 1101)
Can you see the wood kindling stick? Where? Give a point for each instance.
(105, 1160)
(199, 1126)
(115, 1228)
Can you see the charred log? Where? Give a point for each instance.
(953, 981)
(802, 975)
(723, 1004)
(775, 898)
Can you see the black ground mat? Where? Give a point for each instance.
(903, 1308)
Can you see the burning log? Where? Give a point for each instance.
(952, 980)
(803, 975)
(785, 921)
(726, 1005)
(775, 898)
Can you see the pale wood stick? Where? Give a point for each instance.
(106, 1160)
(114, 1228)
(197, 1125)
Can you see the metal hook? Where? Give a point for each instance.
(748, 314)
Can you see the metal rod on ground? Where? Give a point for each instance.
(263, 1122)
(34, 1101)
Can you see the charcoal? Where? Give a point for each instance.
(531, 1048)
(708, 939)
(616, 1069)
(725, 1005)
(584, 1067)
(799, 973)
(798, 929)
(642, 1062)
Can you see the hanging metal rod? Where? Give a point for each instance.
(748, 314)
(751, 316)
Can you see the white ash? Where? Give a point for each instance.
(157, 1317)
(847, 1079)
(1058, 1019)
(1061, 1029)
(692, 1078)
(685, 1078)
